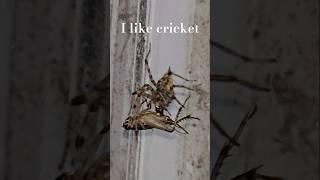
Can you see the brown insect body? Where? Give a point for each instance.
(153, 120)
(148, 120)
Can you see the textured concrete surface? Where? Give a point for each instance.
(123, 144)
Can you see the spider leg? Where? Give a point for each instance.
(148, 69)
(143, 92)
(182, 106)
(175, 98)
(146, 96)
(167, 110)
(182, 86)
(181, 77)
(149, 104)
(145, 100)
(144, 88)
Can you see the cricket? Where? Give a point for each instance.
(149, 119)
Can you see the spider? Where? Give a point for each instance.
(160, 93)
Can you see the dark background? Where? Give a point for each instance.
(50, 51)
(283, 135)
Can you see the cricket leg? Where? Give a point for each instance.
(180, 127)
(187, 117)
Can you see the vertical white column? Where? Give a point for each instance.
(164, 155)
